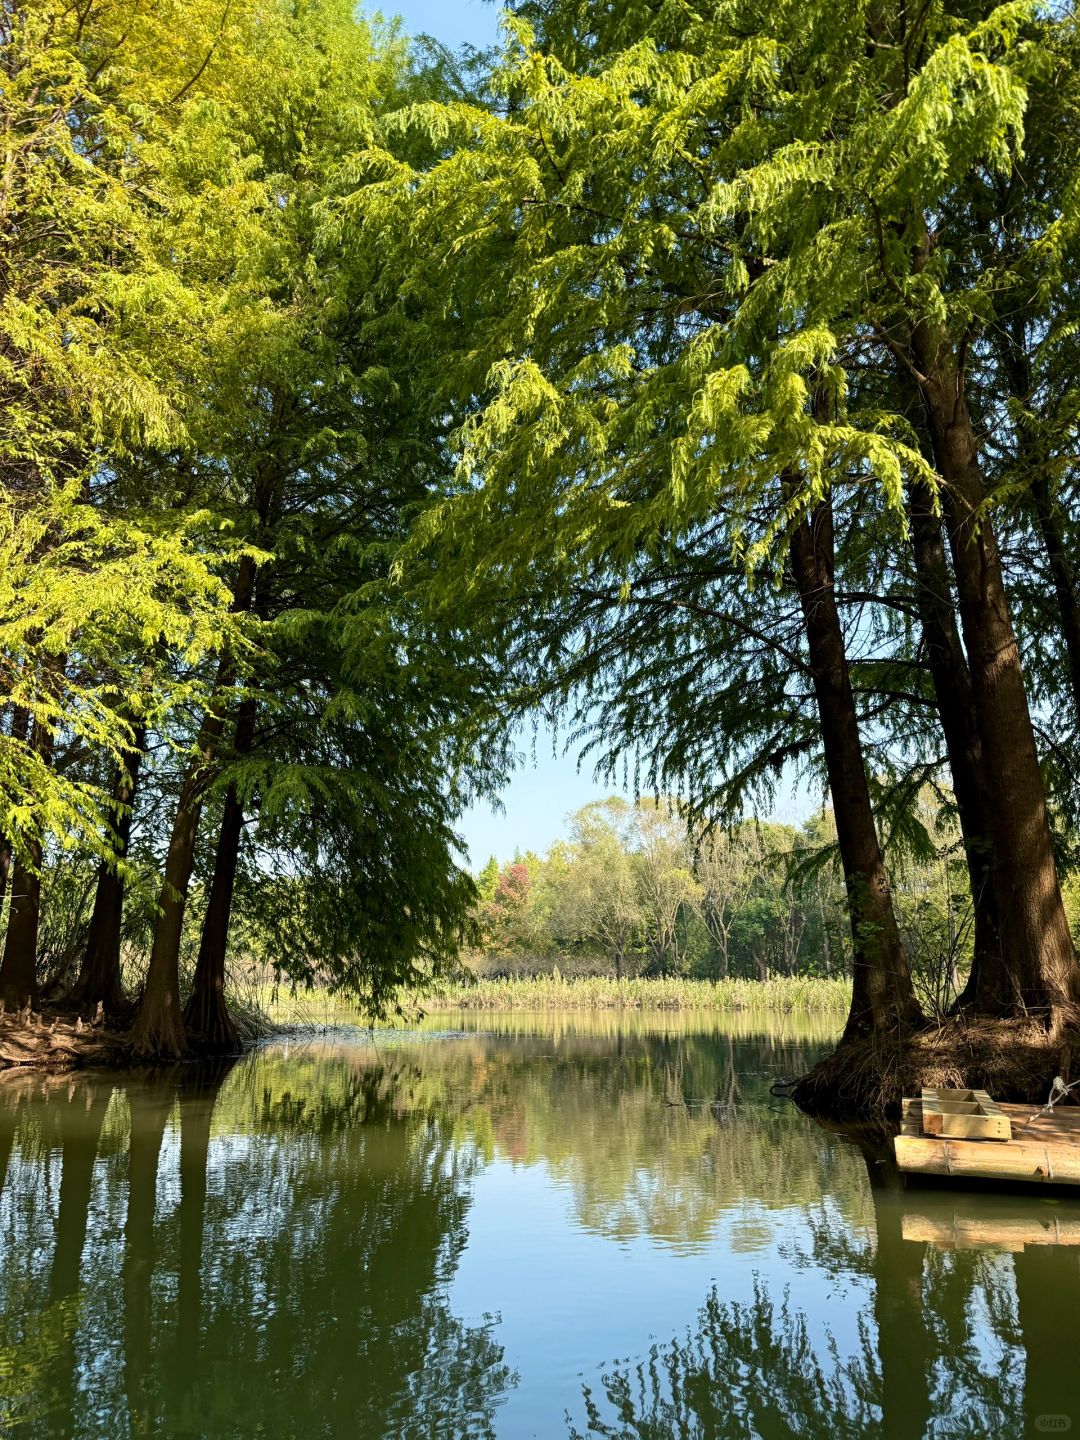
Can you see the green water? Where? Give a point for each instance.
(509, 1226)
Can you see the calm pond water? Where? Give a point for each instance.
(510, 1226)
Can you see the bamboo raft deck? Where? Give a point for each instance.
(1042, 1151)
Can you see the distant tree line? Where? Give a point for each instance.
(632, 892)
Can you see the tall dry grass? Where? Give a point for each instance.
(782, 994)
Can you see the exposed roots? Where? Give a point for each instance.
(66, 1037)
(90, 991)
(1013, 1060)
(57, 1040)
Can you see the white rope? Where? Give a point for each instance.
(1058, 1091)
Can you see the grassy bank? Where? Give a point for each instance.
(556, 992)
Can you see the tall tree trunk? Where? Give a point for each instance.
(1036, 946)
(717, 933)
(18, 716)
(18, 970)
(6, 858)
(206, 1015)
(760, 963)
(158, 1032)
(826, 943)
(883, 996)
(99, 975)
(988, 989)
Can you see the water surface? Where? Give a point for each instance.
(509, 1226)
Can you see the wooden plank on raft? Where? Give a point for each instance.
(963, 1115)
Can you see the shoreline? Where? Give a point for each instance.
(1013, 1060)
(58, 1039)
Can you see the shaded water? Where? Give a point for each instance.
(509, 1226)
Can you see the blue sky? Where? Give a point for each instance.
(547, 787)
(454, 22)
(536, 803)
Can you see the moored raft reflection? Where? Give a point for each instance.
(951, 1220)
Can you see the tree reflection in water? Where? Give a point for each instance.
(744, 1370)
(283, 1282)
(957, 1343)
(750, 1370)
(274, 1250)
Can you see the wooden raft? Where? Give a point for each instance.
(1045, 1151)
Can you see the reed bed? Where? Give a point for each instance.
(784, 995)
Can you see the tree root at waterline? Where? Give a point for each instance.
(866, 1078)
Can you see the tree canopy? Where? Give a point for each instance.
(699, 377)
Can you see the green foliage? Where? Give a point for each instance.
(689, 249)
(103, 322)
(213, 444)
(376, 398)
